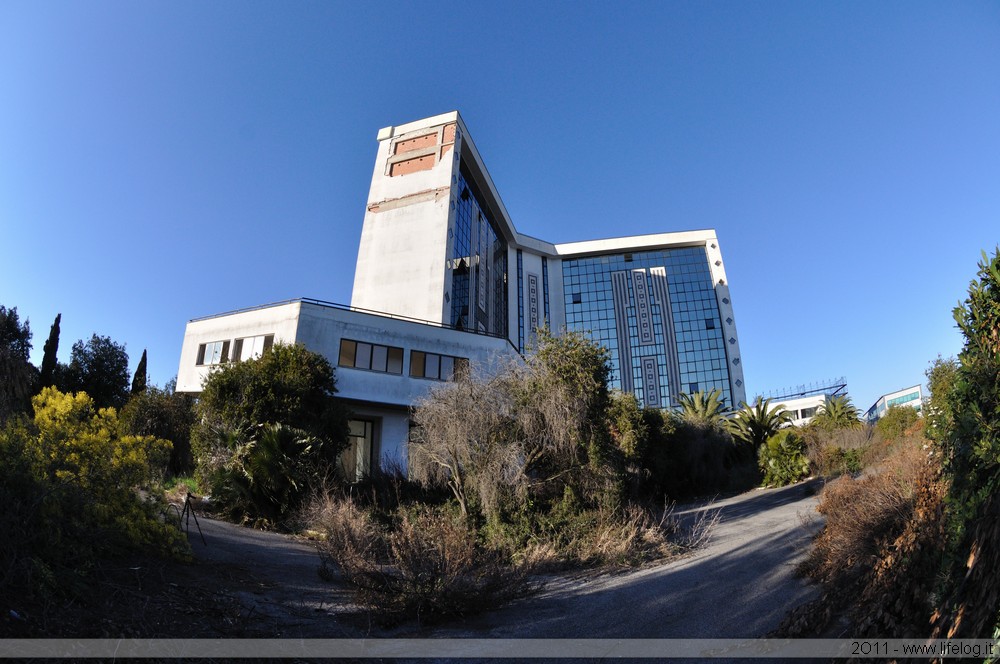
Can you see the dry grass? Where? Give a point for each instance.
(625, 537)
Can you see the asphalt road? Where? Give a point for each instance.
(740, 585)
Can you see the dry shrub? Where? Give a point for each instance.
(869, 526)
(898, 600)
(838, 452)
(428, 566)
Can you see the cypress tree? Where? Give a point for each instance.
(47, 377)
(139, 380)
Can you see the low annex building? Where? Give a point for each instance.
(444, 283)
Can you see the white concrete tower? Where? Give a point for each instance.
(402, 258)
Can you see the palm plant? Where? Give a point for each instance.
(705, 409)
(838, 413)
(265, 478)
(755, 424)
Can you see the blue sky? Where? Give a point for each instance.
(161, 161)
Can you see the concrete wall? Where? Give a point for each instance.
(402, 255)
(321, 328)
(280, 320)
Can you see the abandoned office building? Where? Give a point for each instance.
(444, 282)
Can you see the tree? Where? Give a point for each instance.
(287, 385)
(49, 359)
(971, 446)
(542, 423)
(17, 375)
(140, 378)
(837, 413)
(568, 386)
(754, 425)
(706, 409)
(98, 367)
(467, 438)
(163, 414)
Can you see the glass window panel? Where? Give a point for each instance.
(432, 368)
(363, 358)
(417, 361)
(447, 367)
(379, 357)
(395, 361)
(348, 349)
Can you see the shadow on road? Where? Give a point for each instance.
(760, 500)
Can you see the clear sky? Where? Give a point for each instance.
(161, 161)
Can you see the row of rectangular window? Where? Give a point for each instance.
(247, 348)
(437, 367)
(389, 359)
(373, 357)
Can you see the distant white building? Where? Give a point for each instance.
(803, 409)
(911, 397)
(804, 402)
(444, 280)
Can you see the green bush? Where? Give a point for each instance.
(970, 603)
(68, 483)
(783, 459)
(896, 421)
(267, 477)
(269, 432)
(836, 461)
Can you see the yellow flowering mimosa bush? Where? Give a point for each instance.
(85, 491)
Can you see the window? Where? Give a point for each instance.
(250, 348)
(373, 357)
(808, 412)
(577, 298)
(437, 367)
(215, 352)
(709, 323)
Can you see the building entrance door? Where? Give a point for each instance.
(355, 461)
